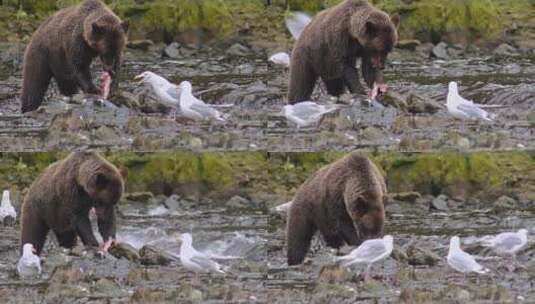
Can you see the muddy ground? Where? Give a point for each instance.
(416, 272)
(241, 75)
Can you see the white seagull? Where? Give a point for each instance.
(508, 243)
(296, 23)
(464, 109)
(194, 108)
(6, 209)
(369, 252)
(280, 58)
(167, 92)
(194, 260)
(29, 265)
(462, 261)
(306, 113)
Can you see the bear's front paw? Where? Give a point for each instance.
(93, 90)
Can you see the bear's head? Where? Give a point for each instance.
(376, 33)
(107, 37)
(365, 206)
(102, 181)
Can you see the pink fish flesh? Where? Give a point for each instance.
(378, 89)
(105, 84)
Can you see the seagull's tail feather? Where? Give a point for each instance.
(483, 270)
(223, 105)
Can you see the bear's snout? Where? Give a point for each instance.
(371, 226)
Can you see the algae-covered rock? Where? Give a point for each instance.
(124, 250)
(421, 257)
(334, 274)
(150, 255)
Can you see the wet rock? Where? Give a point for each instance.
(148, 295)
(174, 203)
(408, 44)
(417, 104)
(495, 293)
(440, 203)
(394, 99)
(238, 202)
(136, 276)
(107, 134)
(238, 50)
(399, 255)
(421, 257)
(107, 288)
(456, 294)
(425, 48)
(440, 51)
(412, 295)
(505, 50)
(124, 250)
(8, 221)
(504, 203)
(150, 255)
(373, 134)
(410, 197)
(172, 51)
(334, 274)
(138, 196)
(66, 282)
(143, 45)
(188, 294)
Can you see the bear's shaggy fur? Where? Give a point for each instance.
(63, 48)
(60, 200)
(333, 200)
(329, 47)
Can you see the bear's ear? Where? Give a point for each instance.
(96, 29)
(125, 25)
(396, 20)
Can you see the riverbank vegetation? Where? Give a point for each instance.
(429, 20)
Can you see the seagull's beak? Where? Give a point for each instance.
(140, 77)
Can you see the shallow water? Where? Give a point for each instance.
(261, 274)
(319, 280)
(258, 91)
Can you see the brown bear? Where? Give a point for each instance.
(333, 200)
(60, 200)
(329, 46)
(64, 46)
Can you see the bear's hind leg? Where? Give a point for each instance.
(34, 231)
(36, 78)
(302, 80)
(299, 233)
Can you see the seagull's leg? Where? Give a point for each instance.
(517, 264)
(367, 273)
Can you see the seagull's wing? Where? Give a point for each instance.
(366, 252)
(464, 262)
(296, 23)
(173, 91)
(370, 250)
(508, 242)
(473, 111)
(204, 110)
(206, 263)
